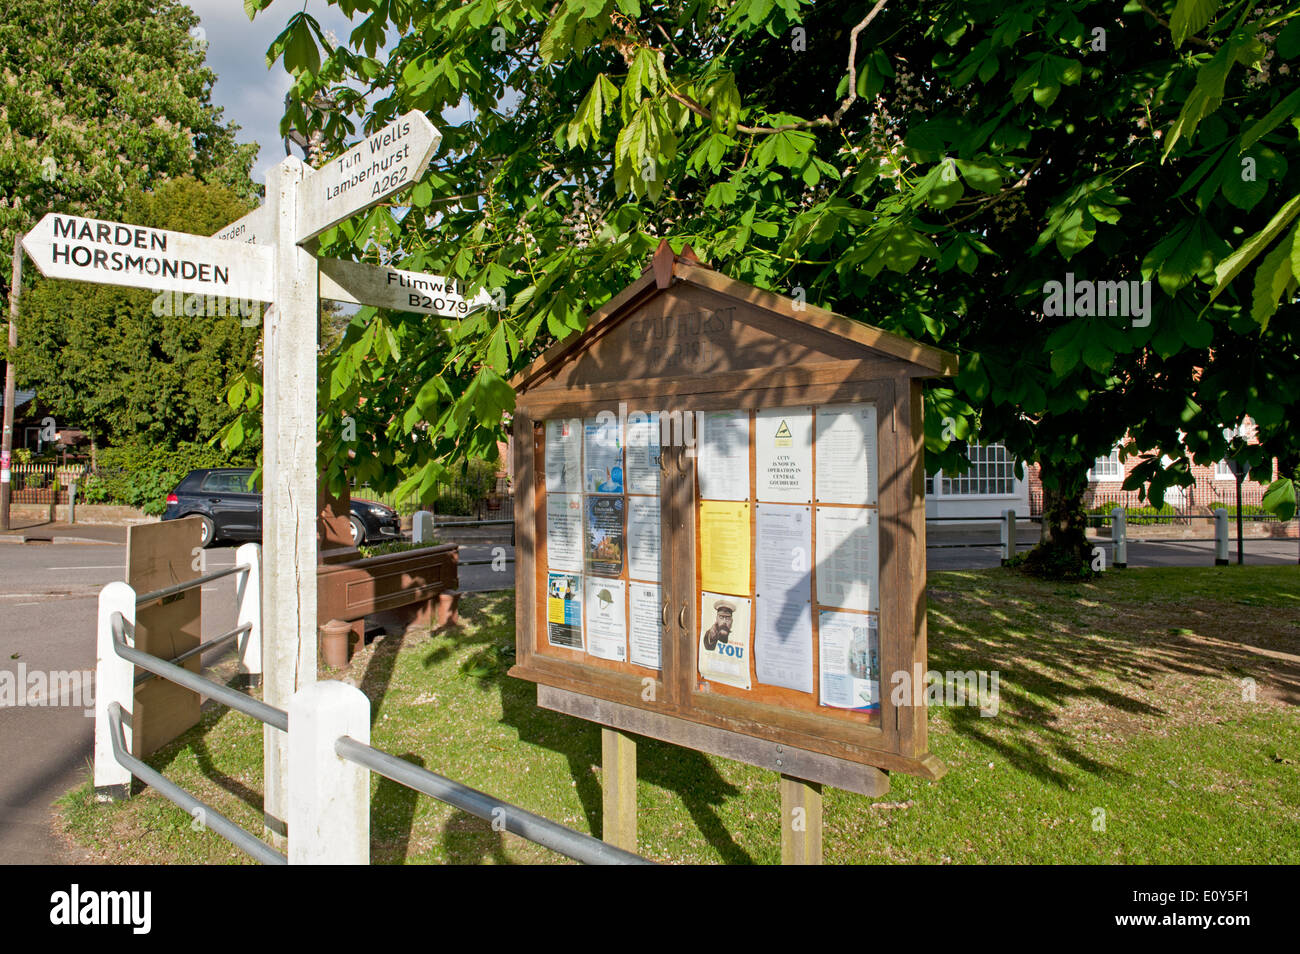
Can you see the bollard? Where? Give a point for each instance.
(422, 527)
(329, 811)
(72, 501)
(114, 682)
(1220, 537)
(248, 603)
(334, 638)
(1118, 538)
(1008, 536)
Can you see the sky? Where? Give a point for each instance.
(252, 95)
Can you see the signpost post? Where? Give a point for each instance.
(261, 257)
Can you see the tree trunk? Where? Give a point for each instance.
(1065, 550)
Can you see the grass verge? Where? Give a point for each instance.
(1146, 716)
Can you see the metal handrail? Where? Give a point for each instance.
(170, 671)
(472, 523)
(211, 818)
(189, 584)
(541, 831)
(215, 643)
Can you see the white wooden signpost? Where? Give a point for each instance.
(261, 257)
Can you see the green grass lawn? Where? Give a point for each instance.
(1125, 696)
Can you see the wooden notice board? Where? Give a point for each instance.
(720, 527)
(160, 555)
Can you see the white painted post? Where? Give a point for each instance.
(114, 682)
(422, 527)
(288, 477)
(329, 814)
(1119, 538)
(1220, 536)
(248, 601)
(1008, 536)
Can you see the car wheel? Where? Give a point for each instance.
(207, 533)
(358, 532)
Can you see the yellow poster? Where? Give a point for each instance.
(724, 547)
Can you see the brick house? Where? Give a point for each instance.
(991, 486)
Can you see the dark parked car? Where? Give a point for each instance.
(230, 510)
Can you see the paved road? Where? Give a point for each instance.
(48, 596)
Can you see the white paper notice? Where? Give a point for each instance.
(564, 532)
(564, 456)
(602, 450)
(643, 453)
(783, 643)
(643, 538)
(783, 446)
(607, 618)
(846, 454)
(723, 454)
(849, 660)
(847, 566)
(724, 639)
(643, 602)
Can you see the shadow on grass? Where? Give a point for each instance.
(1106, 642)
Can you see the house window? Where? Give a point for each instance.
(992, 471)
(1222, 471)
(1107, 468)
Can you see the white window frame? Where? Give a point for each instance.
(981, 469)
(1103, 474)
(1222, 471)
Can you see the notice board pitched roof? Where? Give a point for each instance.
(682, 318)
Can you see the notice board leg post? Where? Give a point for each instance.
(801, 822)
(618, 787)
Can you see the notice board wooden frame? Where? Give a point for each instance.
(736, 347)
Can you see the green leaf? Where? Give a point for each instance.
(1288, 41)
(1234, 264)
(1277, 115)
(1190, 17)
(1190, 251)
(1204, 97)
(982, 174)
(1279, 498)
(1271, 280)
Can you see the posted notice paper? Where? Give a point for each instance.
(724, 639)
(846, 454)
(564, 532)
(849, 660)
(564, 456)
(783, 643)
(847, 559)
(723, 465)
(783, 447)
(643, 538)
(604, 551)
(564, 610)
(602, 456)
(724, 546)
(643, 610)
(642, 453)
(607, 618)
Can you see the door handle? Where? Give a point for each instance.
(681, 618)
(663, 614)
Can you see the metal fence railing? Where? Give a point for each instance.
(328, 724)
(1197, 499)
(43, 483)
